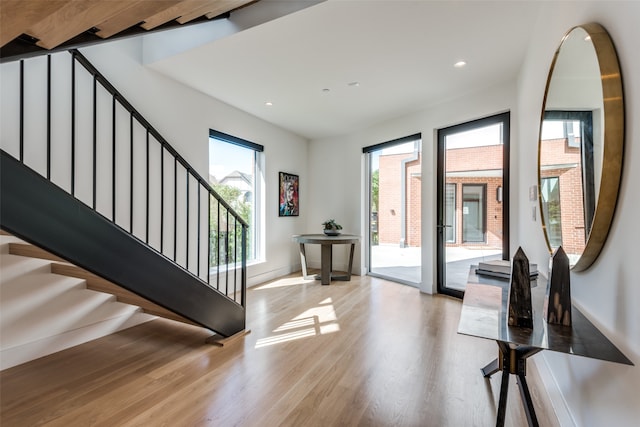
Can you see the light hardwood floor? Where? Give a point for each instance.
(368, 352)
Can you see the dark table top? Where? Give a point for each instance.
(324, 239)
(484, 314)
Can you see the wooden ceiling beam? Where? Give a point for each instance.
(230, 5)
(74, 18)
(135, 14)
(175, 12)
(31, 27)
(214, 7)
(18, 15)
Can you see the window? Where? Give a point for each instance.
(394, 171)
(568, 152)
(472, 198)
(474, 208)
(235, 173)
(551, 209)
(450, 213)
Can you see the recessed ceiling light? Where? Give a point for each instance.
(268, 104)
(326, 89)
(354, 84)
(587, 38)
(460, 64)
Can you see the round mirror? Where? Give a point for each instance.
(581, 144)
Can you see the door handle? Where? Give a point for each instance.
(444, 226)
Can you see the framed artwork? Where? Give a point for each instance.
(288, 195)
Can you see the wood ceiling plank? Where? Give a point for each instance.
(72, 19)
(236, 4)
(211, 11)
(135, 14)
(182, 8)
(16, 16)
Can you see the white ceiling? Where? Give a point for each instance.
(401, 53)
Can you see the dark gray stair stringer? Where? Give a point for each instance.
(39, 212)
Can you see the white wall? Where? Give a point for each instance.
(184, 116)
(585, 392)
(337, 170)
(589, 392)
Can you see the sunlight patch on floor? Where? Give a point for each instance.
(294, 324)
(287, 281)
(319, 320)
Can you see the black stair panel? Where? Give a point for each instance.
(43, 214)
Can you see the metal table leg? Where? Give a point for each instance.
(513, 361)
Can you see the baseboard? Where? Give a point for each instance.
(261, 278)
(554, 396)
(23, 353)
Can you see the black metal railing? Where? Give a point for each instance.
(113, 160)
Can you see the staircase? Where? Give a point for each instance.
(93, 282)
(91, 186)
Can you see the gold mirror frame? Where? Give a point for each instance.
(613, 143)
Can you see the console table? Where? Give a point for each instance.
(326, 254)
(484, 314)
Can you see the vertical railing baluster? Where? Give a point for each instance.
(175, 209)
(73, 124)
(199, 231)
(146, 233)
(95, 139)
(113, 159)
(21, 154)
(131, 173)
(218, 248)
(162, 197)
(226, 257)
(235, 255)
(186, 262)
(49, 117)
(244, 266)
(209, 238)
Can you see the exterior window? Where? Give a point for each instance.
(450, 213)
(570, 159)
(472, 196)
(551, 209)
(394, 170)
(474, 207)
(234, 173)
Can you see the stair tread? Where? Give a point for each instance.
(94, 282)
(31, 251)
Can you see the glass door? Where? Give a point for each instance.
(472, 197)
(395, 218)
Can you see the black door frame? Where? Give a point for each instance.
(368, 151)
(504, 119)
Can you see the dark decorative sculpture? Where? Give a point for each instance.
(557, 303)
(520, 311)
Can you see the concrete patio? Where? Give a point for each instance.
(403, 264)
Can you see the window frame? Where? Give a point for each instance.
(257, 215)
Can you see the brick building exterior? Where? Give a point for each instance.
(390, 209)
(477, 166)
(559, 160)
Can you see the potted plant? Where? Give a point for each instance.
(331, 228)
